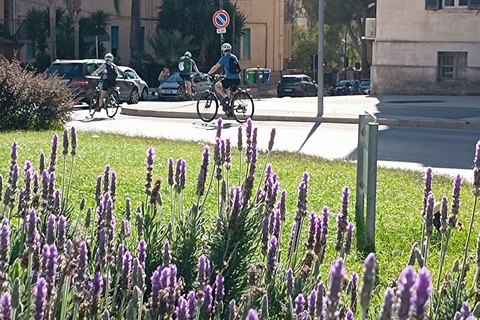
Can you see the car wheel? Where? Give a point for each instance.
(134, 97)
(144, 94)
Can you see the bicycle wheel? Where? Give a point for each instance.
(113, 103)
(242, 107)
(207, 106)
(93, 105)
(182, 91)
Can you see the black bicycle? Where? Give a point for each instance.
(111, 103)
(240, 105)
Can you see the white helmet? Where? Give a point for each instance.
(187, 54)
(226, 47)
(109, 57)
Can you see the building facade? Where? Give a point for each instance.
(426, 47)
(266, 42)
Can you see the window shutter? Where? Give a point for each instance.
(474, 4)
(435, 4)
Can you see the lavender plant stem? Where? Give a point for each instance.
(443, 251)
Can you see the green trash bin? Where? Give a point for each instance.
(251, 76)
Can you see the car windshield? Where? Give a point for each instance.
(174, 78)
(291, 79)
(365, 82)
(66, 69)
(344, 83)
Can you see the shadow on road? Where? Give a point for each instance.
(312, 131)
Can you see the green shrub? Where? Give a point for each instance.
(30, 100)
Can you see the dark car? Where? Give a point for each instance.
(169, 88)
(296, 85)
(347, 87)
(365, 86)
(77, 74)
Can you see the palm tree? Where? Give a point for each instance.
(65, 35)
(94, 25)
(53, 44)
(5, 34)
(170, 46)
(74, 7)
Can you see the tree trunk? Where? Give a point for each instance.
(77, 38)
(135, 35)
(53, 32)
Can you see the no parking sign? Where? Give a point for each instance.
(221, 19)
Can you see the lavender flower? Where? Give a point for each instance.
(368, 281)
(6, 307)
(319, 302)
(142, 252)
(113, 186)
(98, 190)
(291, 244)
(202, 176)
(405, 292)
(465, 310)
(202, 274)
(300, 306)
(354, 292)
(283, 205)
(182, 308)
(119, 260)
(342, 220)
(272, 256)
(82, 263)
(183, 174)
(337, 272)
(41, 165)
(254, 159)
(232, 310)
(387, 309)
(272, 139)
(312, 300)
(106, 179)
(74, 141)
(65, 142)
(235, 210)
(14, 154)
(323, 241)
(476, 167)
(228, 154)
(252, 314)
(97, 284)
(429, 215)
(457, 187)
(53, 155)
(156, 287)
(312, 231)
(208, 299)
(444, 215)
(219, 287)
(167, 255)
(126, 271)
(51, 229)
(150, 161)
(421, 295)
(4, 253)
(192, 305)
(32, 228)
(170, 172)
(40, 294)
(350, 315)
(265, 306)
(219, 127)
(290, 281)
(348, 241)
(277, 224)
(428, 188)
(126, 228)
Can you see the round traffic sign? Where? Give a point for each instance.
(221, 19)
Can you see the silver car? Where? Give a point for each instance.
(129, 73)
(169, 88)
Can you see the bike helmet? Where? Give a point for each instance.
(226, 47)
(109, 57)
(187, 54)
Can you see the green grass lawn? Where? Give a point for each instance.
(399, 192)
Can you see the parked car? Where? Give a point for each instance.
(77, 74)
(129, 73)
(365, 86)
(169, 88)
(347, 87)
(296, 85)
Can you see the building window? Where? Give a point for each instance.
(452, 66)
(30, 51)
(142, 39)
(114, 31)
(246, 44)
(455, 3)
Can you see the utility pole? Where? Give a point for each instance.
(233, 25)
(221, 34)
(321, 38)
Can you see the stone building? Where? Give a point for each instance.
(427, 47)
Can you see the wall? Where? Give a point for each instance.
(408, 38)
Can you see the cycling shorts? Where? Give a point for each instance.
(186, 76)
(108, 84)
(230, 83)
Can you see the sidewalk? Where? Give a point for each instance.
(443, 112)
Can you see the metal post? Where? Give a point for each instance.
(96, 47)
(221, 34)
(371, 186)
(321, 36)
(345, 51)
(361, 184)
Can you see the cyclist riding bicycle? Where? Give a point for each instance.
(110, 74)
(185, 66)
(230, 65)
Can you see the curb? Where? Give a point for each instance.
(346, 119)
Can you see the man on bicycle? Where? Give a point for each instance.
(232, 77)
(110, 74)
(185, 66)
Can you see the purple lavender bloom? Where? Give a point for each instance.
(348, 241)
(444, 215)
(291, 248)
(217, 152)
(312, 231)
(219, 127)
(235, 209)
(167, 255)
(192, 305)
(464, 311)
(232, 310)
(156, 287)
(142, 252)
(14, 179)
(202, 271)
(113, 186)
(405, 292)
(97, 284)
(170, 171)
(6, 307)
(119, 260)
(272, 139)
(319, 303)
(14, 154)
(53, 155)
(323, 241)
(283, 205)
(127, 228)
(82, 261)
(422, 290)
(101, 252)
(219, 287)
(387, 309)
(429, 215)
(457, 186)
(337, 272)
(290, 281)
(312, 300)
(354, 291)
(300, 306)
(476, 167)
(208, 298)
(150, 160)
(74, 141)
(368, 281)
(32, 228)
(65, 142)
(350, 315)
(182, 310)
(252, 314)
(277, 223)
(51, 229)
(51, 269)
(428, 188)
(183, 175)
(240, 139)
(126, 270)
(228, 154)
(40, 294)
(253, 163)
(41, 165)
(5, 242)
(272, 256)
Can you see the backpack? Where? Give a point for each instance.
(233, 65)
(111, 72)
(185, 64)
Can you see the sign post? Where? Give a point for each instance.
(221, 20)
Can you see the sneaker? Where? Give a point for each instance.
(224, 102)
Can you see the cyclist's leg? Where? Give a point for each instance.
(188, 84)
(103, 95)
